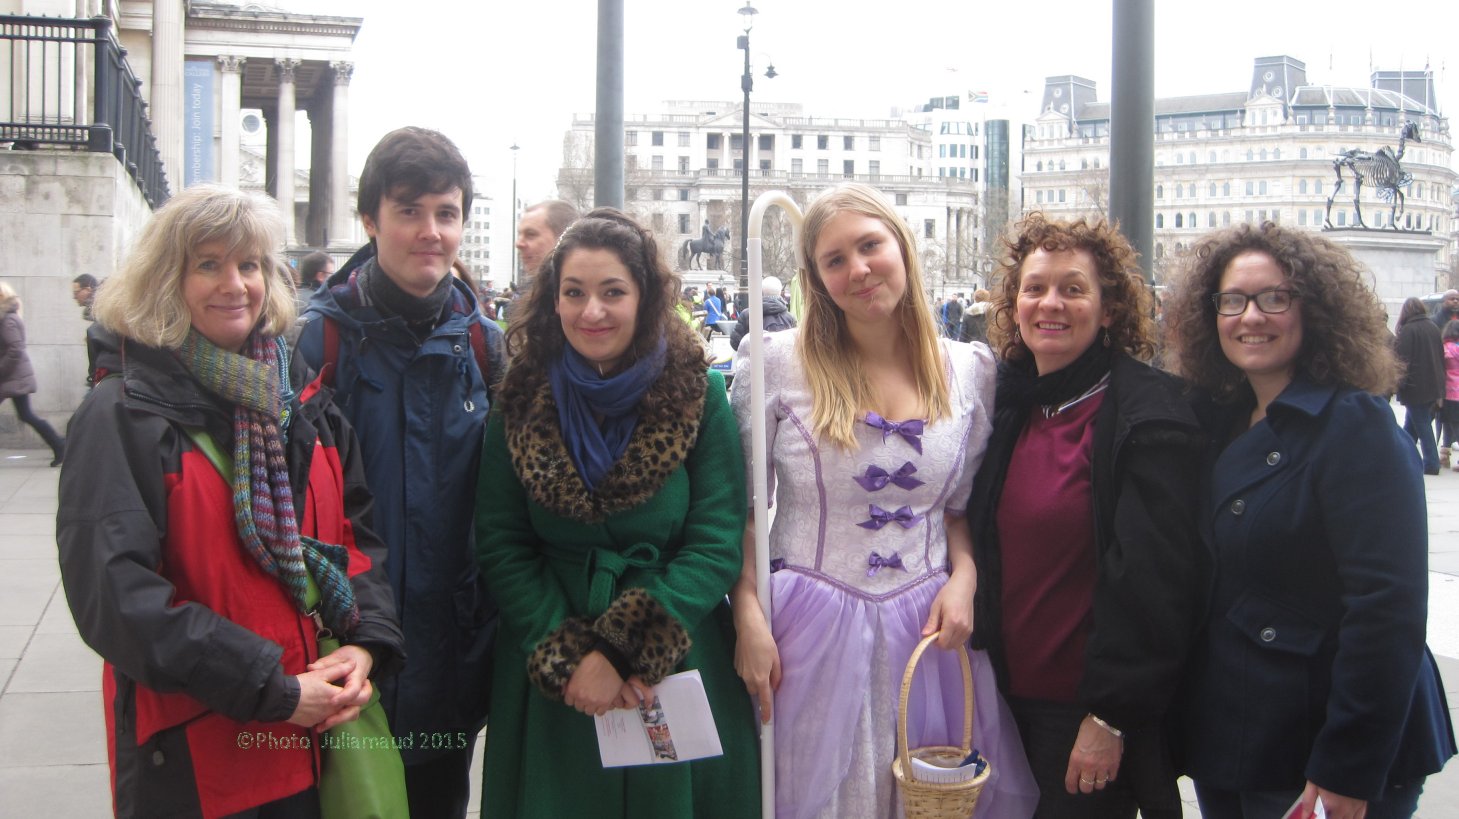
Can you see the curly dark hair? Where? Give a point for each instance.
(535, 338)
(1344, 334)
(1122, 290)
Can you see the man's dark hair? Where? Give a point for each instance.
(559, 214)
(85, 280)
(310, 265)
(410, 162)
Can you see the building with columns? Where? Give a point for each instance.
(203, 64)
(682, 171)
(115, 105)
(1263, 153)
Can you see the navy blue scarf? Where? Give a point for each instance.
(583, 397)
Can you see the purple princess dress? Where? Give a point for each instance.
(859, 550)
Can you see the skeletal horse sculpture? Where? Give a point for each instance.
(1381, 170)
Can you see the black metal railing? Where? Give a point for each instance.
(70, 85)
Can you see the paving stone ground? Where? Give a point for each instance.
(53, 749)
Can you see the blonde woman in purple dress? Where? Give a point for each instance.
(875, 428)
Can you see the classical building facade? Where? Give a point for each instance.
(683, 173)
(113, 106)
(1264, 153)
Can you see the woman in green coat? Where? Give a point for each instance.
(609, 514)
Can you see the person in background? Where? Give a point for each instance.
(608, 521)
(713, 312)
(188, 569)
(402, 336)
(1447, 309)
(874, 429)
(83, 291)
(1421, 390)
(975, 318)
(775, 313)
(1091, 569)
(1311, 680)
(1449, 414)
(537, 232)
(314, 270)
(17, 376)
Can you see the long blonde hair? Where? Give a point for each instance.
(841, 392)
(143, 301)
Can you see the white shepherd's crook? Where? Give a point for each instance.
(759, 458)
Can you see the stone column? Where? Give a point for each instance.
(164, 92)
(340, 207)
(231, 96)
(285, 121)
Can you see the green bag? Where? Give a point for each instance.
(361, 774)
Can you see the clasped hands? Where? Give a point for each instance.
(595, 687)
(334, 688)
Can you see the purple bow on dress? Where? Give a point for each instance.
(911, 431)
(877, 478)
(876, 563)
(776, 564)
(881, 517)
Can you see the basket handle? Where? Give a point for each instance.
(904, 750)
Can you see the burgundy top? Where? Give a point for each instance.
(1046, 526)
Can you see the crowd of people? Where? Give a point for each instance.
(1149, 573)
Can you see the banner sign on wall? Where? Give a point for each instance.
(197, 106)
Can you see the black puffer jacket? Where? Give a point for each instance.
(776, 317)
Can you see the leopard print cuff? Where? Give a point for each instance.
(640, 628)
(557, 656)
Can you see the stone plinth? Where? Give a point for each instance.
(62, 213)
(1403, 263)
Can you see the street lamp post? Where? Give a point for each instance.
(747, 83)
(513, 237)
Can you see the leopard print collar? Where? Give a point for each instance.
(667, 429)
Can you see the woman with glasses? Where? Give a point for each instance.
(1311, 680)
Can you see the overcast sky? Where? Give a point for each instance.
(508, 71)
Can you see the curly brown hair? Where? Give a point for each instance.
(535, 338)
(1122, 290)
(1344, 334)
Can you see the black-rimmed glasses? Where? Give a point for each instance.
(1276, 300)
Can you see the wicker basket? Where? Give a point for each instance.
(936, 800)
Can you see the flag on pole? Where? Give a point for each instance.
(977, 96)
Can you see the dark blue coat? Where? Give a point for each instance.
(1313, 664)
(419, 409)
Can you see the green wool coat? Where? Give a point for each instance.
(542, 756)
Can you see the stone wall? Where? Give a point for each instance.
(62, 213)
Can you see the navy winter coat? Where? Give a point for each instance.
(419, 409)
(1313, 664)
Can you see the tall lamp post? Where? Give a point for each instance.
(513, 237)
(747, 83)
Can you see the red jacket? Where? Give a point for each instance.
(201, 645)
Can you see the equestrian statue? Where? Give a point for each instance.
(1381, 169)
(710, 244)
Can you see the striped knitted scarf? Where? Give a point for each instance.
(263, 501)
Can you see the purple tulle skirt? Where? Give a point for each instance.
(842, 657)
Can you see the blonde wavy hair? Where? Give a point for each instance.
(143, 301)
(841, 393)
